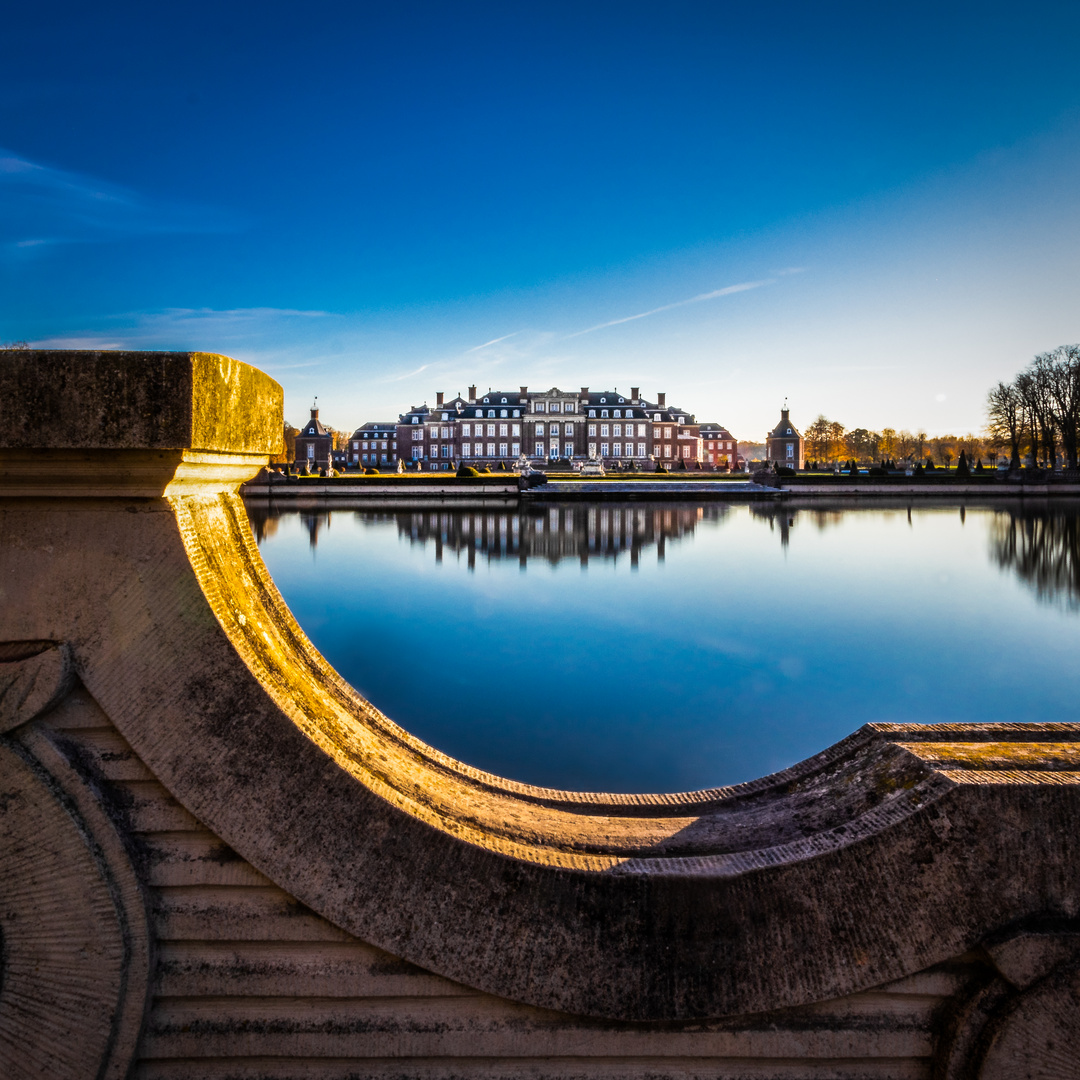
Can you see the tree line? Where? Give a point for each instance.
(828, 440)
(1038, 413)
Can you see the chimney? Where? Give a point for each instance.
(635, 393)
(439, 397)
(584, 391)
(660, 401)
(524, 391)
(314, 414)
(472, 393)
(784, 415)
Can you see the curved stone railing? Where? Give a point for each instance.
(128, 573)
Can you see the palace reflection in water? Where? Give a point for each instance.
(768, 632)
(552, 533)
(1037, 540)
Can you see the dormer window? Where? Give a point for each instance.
(592, 412)
(789, 431)
(517, 413)
(502, 412)
(486, 400)
(504, 401)
(603, 412)
(621, 400)
(415, 419)
(603, 401)
(446, 416)
(479, 412)
(656, 417)
(618, 413)
(491, 412)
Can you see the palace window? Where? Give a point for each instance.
(617, 429)
(604, 448)
(568, 450)
(515, 430)
(446, 433)
(491, 449)
(466, 430)
(568, 407)
(502, 430)
(604, 430)
(640, 449)
(539, 449)
(417, 435)
(592, 429)
(618, 449)
(539, 429)
(554, 407)
(502, 449)
(515, 450)
(466, 450)
(490, 430)
(539, 406)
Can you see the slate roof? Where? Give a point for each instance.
(785, 429)
(314, 427)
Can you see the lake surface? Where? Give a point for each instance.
(667, 647)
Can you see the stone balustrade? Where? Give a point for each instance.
(218, 860)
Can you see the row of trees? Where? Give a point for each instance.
(828, 440)
(1038, 413)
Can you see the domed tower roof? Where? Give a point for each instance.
(313, 426)
(785, 429)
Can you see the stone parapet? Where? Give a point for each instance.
(222, 861)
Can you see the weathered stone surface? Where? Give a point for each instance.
(750, 931)
(88, 400)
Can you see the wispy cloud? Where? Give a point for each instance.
(237, 330)
(493, 341)
(408, 374)
(728, 290)
(41, 206)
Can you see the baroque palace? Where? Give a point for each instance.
(544, 426)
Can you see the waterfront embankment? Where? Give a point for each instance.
(394, 489)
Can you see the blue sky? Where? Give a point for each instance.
(871, 209)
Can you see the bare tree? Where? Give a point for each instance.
(1006, 419)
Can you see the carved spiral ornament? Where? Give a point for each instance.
(1038, 1037)
(73, 959)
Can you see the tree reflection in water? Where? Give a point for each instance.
(551, 531)
(1039, 541)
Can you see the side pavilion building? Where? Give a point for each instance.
(784, 445)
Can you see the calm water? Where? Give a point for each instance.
(661, 647)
